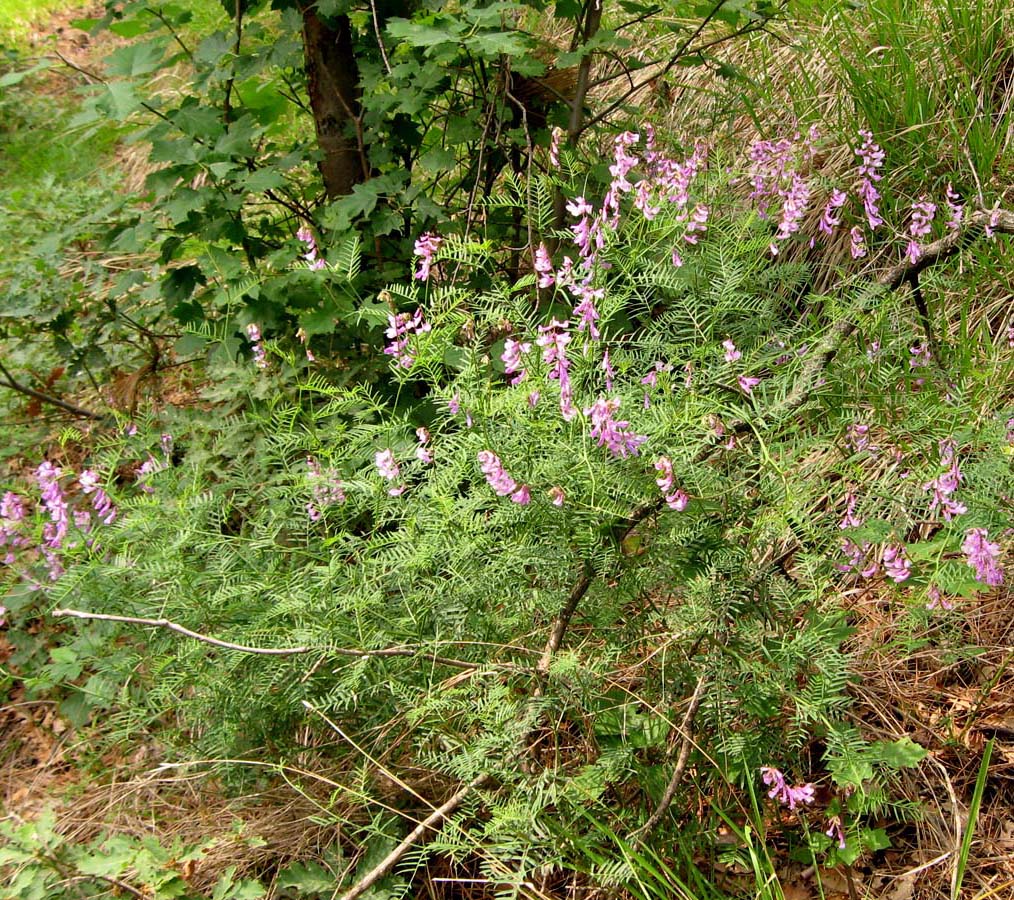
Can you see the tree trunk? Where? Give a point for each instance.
(333, 84)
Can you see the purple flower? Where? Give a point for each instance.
(553, 339)
(991, 225)
(306, 236)
(426, 248)
(831, 218)
(923, 212)
(326, 487)
(454, 404)
(946, 483)
(851, 520)
(788, 795)
(554, 147)
(731, 353)
(400, 328)
(871, 159)
(101, 501)
(983, 556)
(897, 566)
(835, 831)
(386, 465)
(608, 369)
(260, 358)
(937, 600)
(747, 383)
(611, 433)
(920, 356)
(544, 267)
(857, 437)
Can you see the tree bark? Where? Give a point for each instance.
(333, 84)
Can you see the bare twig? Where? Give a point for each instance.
(9, 381)
(686, 741)
(431, 822)
(380, 37)
(421, 652)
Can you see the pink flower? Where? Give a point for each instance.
(544, 267)
(835, 831)
(983, 556)
(554, 147)
(937, 600)
(426, 248)
(557, 496)
(897, 566)
(831, 218)
(498, 479)
(101, 502)
(422, 453)
(945, 484)
(610, 433)
(386, 465)
(857, 437)
(955, 207)
(871, 159)
(788, 795)
(747, 383)
(306, 236)
(260, 358)
(326, 488)
(400, 328)
(858, 248)
(731, 353)
(511, 356)
(553, 339)
(521, 496)
(923, 212)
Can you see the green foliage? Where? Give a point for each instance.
(413, 607)
(38, 863)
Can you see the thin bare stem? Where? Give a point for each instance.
(431, 822)
(686, 741)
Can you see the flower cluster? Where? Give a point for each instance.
(12, 513)
(426, 248)
(984, 556)
(260, 357)
(313, 260)
(923, 212)
(553, 339)
(511, 356)
(871, 158)
(675, 499)
(615, 435)
(400, 328)
(945, 484)
(101, 502)
(786, 794)
(326, 488)
(389, 470)
(498, 479)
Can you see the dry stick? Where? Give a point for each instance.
(687, 740)
(434, 819)
(9, 381)
(277, 651)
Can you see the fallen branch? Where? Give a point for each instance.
(432, 821)
(686, 742)
(998, 220)
(9, 381)
(276, 651)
